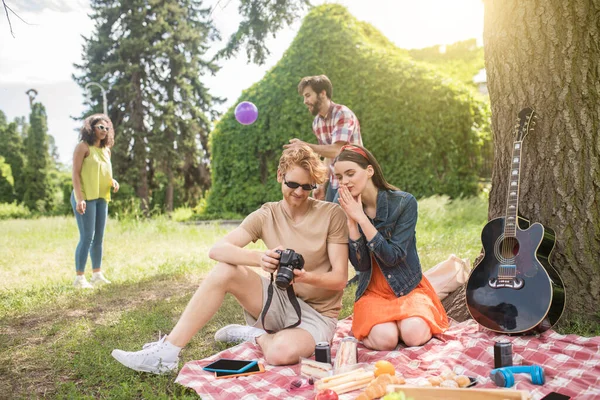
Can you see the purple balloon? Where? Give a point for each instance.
(246, 113)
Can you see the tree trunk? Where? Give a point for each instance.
(169, 194)
(139, 143)
(545, 54)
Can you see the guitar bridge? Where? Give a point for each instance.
(506, 278)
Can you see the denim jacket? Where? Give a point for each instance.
(394, 246)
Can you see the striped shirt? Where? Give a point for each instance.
(339, 125)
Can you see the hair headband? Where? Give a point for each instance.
(354, 149)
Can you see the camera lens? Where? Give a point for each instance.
(284, 277)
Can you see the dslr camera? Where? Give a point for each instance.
(289, 260)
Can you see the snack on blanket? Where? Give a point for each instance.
(449, 374)
(449, 383)
(347, 353)
(448, 379)
(377, 387)
(346, 382)
(462, 380)
(435, 380)
(314, 369)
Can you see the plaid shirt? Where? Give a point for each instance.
(339, 125)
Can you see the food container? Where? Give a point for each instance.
(347, 353)
(314, 369)
(436, 393)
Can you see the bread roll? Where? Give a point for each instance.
(462, 380)
(435, 380)
(449, 383)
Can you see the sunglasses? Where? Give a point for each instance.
(296, 185)
(103, 128)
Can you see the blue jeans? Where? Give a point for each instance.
(91, 232)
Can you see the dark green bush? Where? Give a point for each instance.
(425, 129)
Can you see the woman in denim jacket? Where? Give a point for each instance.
(394, 301)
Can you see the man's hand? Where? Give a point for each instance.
(269, 261)
(294, 142)
(302, 276)
(319, 192)
(115, 186)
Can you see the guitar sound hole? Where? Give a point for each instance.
(509, 247)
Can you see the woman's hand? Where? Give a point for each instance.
(352, 206)
(115, 186)
(269, 260)
(80, 207)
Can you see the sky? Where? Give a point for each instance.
(42, 53)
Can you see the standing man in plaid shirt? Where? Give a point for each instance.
(334, 126)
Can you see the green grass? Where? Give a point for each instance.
(56, 341)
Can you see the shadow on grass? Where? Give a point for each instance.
(62, 350)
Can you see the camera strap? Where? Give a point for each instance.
(291, 295)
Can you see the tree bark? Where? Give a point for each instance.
(456, 306)
(170, 185)
(139, 143)
(545, 54)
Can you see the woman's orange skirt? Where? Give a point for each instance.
(379, 304)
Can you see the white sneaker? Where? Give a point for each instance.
(238, 333)
(98, 278)
(159, 357)
(82, 283)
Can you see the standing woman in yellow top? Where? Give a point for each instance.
(92, 181)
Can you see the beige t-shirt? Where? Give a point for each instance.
(324, 223)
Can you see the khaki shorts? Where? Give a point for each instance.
(281, 313)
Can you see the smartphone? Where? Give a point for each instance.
(555, 396)
(257, 369)
(230, 365)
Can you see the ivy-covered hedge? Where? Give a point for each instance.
(425, 129)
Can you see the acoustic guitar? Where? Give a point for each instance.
(514, 289)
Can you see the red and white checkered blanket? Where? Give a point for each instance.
(571, 364)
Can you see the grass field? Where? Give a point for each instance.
(55, 341)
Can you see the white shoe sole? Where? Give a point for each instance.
(83, 287)
(222, 332)
(167, 368)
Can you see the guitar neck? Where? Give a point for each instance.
(512, 204)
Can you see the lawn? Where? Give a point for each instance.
(56, 341)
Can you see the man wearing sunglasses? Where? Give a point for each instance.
(334, 126)
(316, 230)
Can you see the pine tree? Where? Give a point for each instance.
(11, 148)
(7, 182)
(181, 126)
(38, 192)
